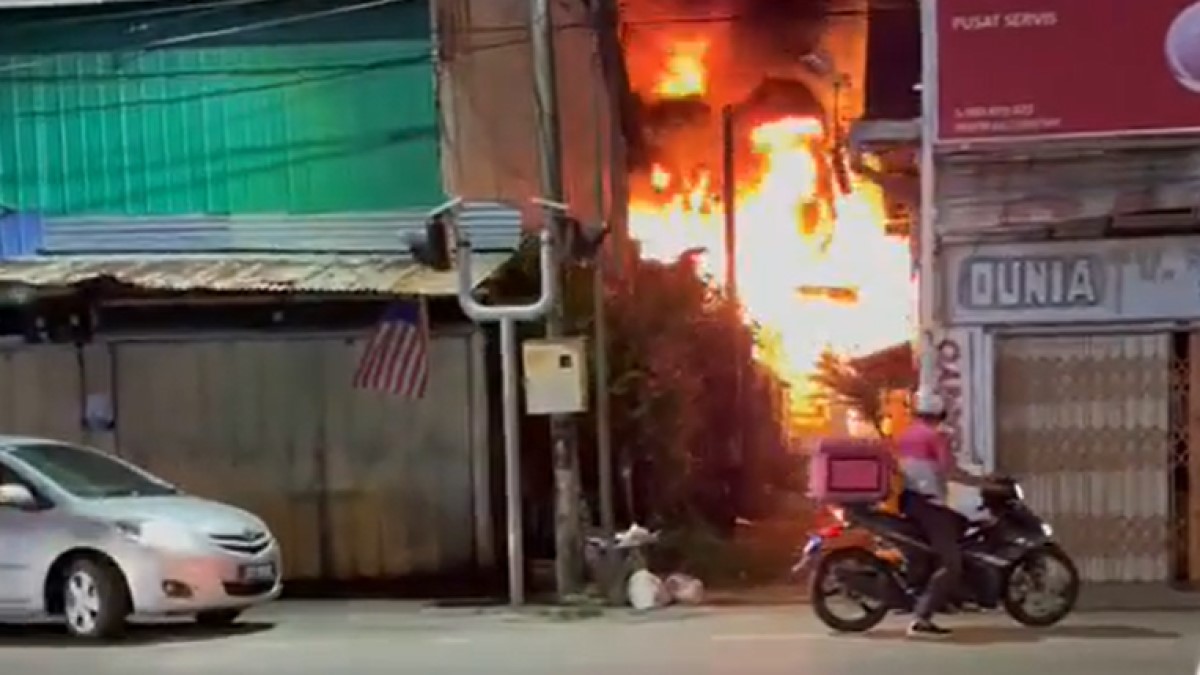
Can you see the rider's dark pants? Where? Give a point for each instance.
(943, 527)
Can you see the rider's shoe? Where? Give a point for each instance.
(927, 629)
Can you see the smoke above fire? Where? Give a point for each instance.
(814, 266)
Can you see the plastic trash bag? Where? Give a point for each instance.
(685, 589)
(636, 536)
(646, 591)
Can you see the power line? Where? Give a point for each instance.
(704, 19)
(328, 74)
(226, 92)
(177, 74)
(269, 23)
(146, 13)
(200, 36)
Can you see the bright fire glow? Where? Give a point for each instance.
(685, 74)
(815, 268)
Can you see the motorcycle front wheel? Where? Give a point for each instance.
(829, 590)
(1029, 597)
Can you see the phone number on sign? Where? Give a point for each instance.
(994, 112)
(1001, 119)
(1007, 126)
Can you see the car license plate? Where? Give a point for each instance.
(259, 572)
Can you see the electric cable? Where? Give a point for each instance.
(652, 22)
(145, 13)
(200, 36)
(327, 74)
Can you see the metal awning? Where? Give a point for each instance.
(309, 273)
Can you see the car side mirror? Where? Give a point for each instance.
(16, 496)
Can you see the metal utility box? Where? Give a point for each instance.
(555, 376)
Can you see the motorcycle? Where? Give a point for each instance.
(1007, 560)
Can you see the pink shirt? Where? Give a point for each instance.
(922, 440)
(925, 459)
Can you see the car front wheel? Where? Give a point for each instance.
(95, 600)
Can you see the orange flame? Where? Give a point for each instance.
(816, 269)
(660, 178)
(686, 73)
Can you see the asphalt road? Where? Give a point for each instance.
(352, 638)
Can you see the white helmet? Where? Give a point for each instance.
(928, 403)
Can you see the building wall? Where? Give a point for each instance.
(1023, 191)
(356, 485)
(104, 113)
(485, 79)
(1086, 390)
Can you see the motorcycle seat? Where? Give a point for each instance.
(895, 522)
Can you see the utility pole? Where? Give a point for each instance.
(604, 451)
(729, 196)
(568, 535)
(621, 260)
(927, 286)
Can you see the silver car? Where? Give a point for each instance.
(94, 540)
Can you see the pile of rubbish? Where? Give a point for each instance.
(644, 590)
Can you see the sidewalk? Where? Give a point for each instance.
(1136, 597)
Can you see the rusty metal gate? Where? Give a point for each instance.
(1091, 426)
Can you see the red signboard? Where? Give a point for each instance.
(1013, 69)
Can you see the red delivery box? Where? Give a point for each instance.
(851, 471)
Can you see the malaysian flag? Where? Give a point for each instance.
(396, 359)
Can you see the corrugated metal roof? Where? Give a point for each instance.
(270, 274)
(490, 226)
(244, 125)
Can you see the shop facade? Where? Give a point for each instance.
(1061, 244)
(1083, 359)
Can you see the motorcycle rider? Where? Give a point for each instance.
(928, 465)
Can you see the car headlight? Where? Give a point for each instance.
(1047, 530)
(156, 534)
(1018, 491)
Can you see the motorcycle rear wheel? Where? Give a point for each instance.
(1068, 595)
(873, 614)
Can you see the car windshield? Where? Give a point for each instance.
(89, 474)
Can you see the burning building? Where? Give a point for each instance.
(815, 265)
(767, 88)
